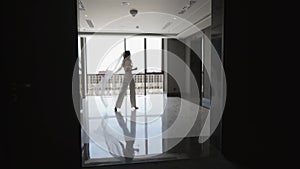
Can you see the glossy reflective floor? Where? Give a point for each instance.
(137, 135)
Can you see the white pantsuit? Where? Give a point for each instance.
(127, 81)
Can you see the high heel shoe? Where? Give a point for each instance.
(116, 109)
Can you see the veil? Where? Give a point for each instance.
(112, 69)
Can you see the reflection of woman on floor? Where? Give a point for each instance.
(115, 145)
(127, 81)
(129, 136)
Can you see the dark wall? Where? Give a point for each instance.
(206, 81)
(243, 134)
(177, 48)
(196, 64)
(44, 128)
(217, 40)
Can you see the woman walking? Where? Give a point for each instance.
(127, 81)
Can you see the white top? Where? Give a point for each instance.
(127, 66)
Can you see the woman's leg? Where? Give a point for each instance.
(132, 93)
(122, 94)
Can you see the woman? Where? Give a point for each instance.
(127, 81)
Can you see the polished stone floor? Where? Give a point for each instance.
(144, 134)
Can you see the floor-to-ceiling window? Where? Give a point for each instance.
(104, 56)
(154, 53)
(146, 55)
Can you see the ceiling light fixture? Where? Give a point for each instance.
(166, 25)
(133, 12)
(125, 3)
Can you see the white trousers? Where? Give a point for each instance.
(128, 81)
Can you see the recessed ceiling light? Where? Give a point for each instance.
(175, 18)
(125, 3)
(166, 25)
(90, 23)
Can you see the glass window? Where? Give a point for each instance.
(154, 54)
(103, 53)
(136, 47)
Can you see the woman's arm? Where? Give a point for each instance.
(128, 66)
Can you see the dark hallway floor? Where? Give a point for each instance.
(216, 161)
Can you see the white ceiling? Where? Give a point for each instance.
(153, 15)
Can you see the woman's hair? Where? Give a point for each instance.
(126, 54)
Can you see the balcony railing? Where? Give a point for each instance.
(154, 84)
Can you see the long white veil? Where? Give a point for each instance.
(112, 69)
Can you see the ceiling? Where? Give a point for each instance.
(154, 16)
